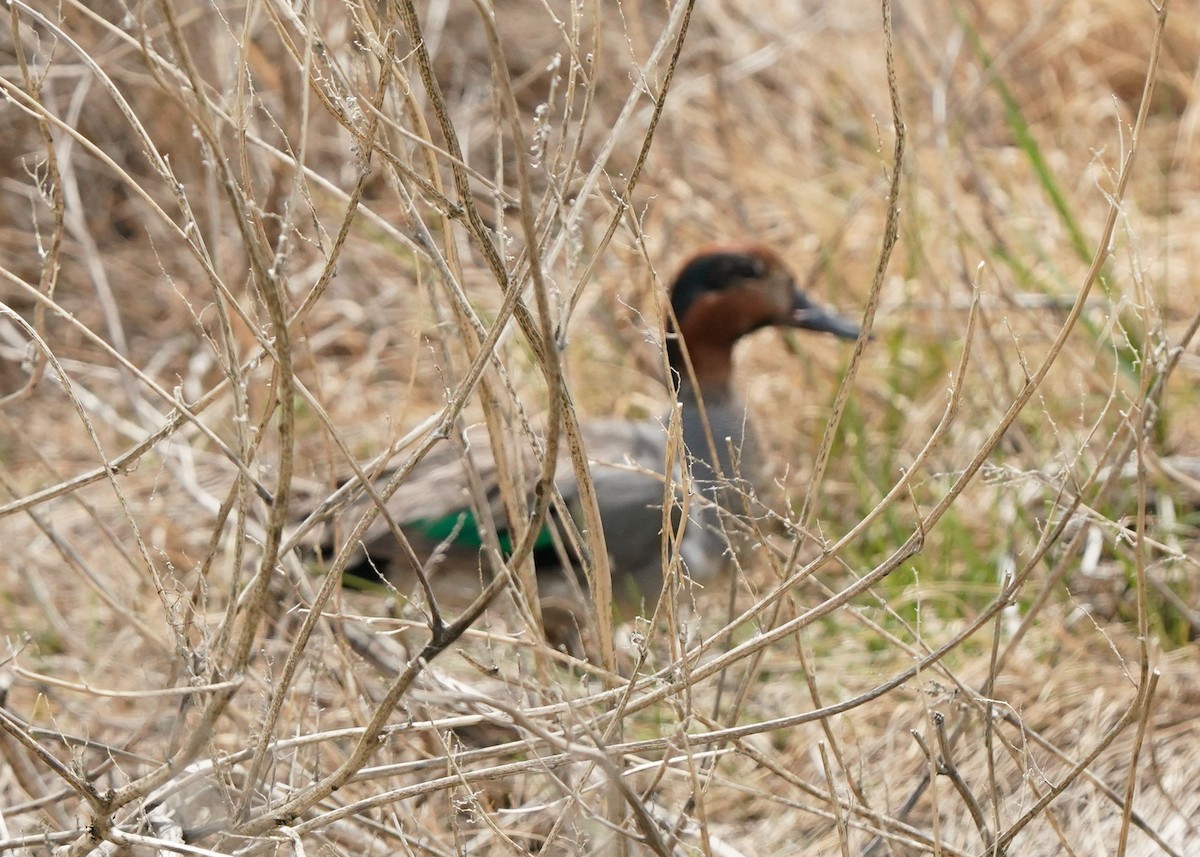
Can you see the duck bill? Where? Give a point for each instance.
(806, 315)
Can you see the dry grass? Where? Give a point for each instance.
(245, 247)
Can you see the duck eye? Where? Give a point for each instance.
(745, 268)
(753, 268)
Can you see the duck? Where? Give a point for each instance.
(721, 293)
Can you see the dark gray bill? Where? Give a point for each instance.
(806, 315)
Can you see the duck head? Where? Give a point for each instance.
(727, 291)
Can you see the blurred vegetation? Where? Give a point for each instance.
(177, 178)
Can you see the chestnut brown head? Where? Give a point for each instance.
(727, 291)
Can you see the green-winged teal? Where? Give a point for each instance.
(721, 294)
